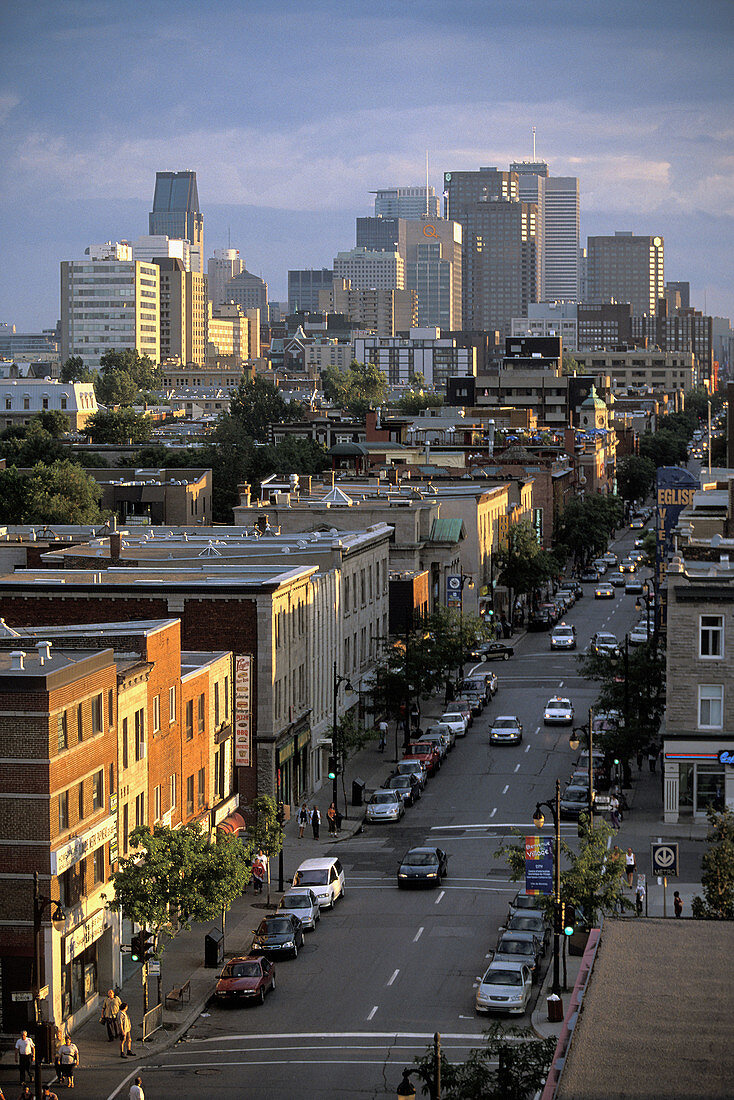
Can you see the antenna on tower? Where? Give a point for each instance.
(533, 144)
(427, 183)
(229, 236)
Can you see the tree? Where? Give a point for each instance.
(119, 426)
(362, 386)
(415, 401)
(53, 421)
(257, 404)
(73, 370)
(25, 446)
(176, 876)
(124, 375)
(524, 567)
(511, 1065)
(265, 831)
(296, 456)
(635, 477)
(13, 486)
(348, 738)
(116, 387)
(665, 448)
(569, 365)
(57, 493)
(585, 525)
(717, 864)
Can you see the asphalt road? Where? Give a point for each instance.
(388, 967)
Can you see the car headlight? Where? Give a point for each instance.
(288, 943)
(402, 874)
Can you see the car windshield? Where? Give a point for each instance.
(273, 925)
(502, 977)
(453, 717)
(311, 878)
(525, 901)
(559, 704)
(295, 901)
(578, 793)
(380, 797)
(606, 639)
(505, 723)
(400, 781)
(420, 859)
(523, 923)
(563, 632)
(515, 947)
(241, 970)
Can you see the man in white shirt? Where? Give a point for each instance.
(24, 1052)
(136, 1090)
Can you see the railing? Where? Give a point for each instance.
(152, 1020)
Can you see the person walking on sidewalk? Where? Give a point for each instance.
(382, 727)
(110, 1008)
(315, 822)
(331, 818)
(302, 820)
(68, 1059)
(24, 1051)
(630, 866)
(677, 904)
(125, 1030)
(652, 757)
(258, 874)
(136, 1090)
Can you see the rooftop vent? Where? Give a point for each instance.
(17, 660)
(44, 652)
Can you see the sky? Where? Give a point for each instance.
(292, 113)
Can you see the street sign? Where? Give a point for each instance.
(538, 865)
(24, 995)
(154, 968)
(664, 858)
(453, 590)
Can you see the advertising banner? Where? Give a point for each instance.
(674, 491)
(453, 590)
(538, 865)
(242, 753)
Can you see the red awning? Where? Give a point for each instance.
(232, 824)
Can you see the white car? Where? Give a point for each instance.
(455, 722)
(559, 711)
(505, 987)
(325, 877)
(506, 729)
(640, 634)
(563, 637)
(385, 805)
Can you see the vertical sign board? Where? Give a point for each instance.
(503, 529)
(674, 491)
(538, 865)
(242, 754)
(538, 524)
(453, 590)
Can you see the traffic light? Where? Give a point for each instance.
(142, 946)
(331, 767)
(568, 919)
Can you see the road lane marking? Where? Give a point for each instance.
(494, 811)
(418, 934)
(493, 825)
(527, 748)
(517, 767)
(443, 892)
(393, 976)
(561, 684)
(506, 788)
(321, 1035)
(537, 730)
(374, 1010)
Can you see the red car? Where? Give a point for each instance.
(247, 978)
(426, 752)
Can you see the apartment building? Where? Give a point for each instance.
(23, 398)
(642, 369)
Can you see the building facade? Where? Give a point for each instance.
(557, 230)
(305, 286)
(407, 202)
(423, 351)
(626, 268)
(371, 270)
(176, 213)
(22, 399)
(222, 266)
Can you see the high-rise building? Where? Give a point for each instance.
(183, 312)
(223, 266)
(109, 302)
(247, 291)
(500, 257)
(148, 249)
(381, 234)
(678, 295)
(557, 232)
(227, 335)
(367, 269)
(407, 202)
(626, 268)
(305, 286)
(176, 212)
(383, 312)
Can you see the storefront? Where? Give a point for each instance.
(697, 775)
(293, 779)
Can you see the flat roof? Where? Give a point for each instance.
(656, 1019)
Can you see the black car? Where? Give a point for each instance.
(530, 922)
(407, 787)
(423, 867)
(540, 620)
(497, 651)
(278, 935)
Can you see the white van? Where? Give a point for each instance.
(325, 877)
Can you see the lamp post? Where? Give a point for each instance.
(538, 822)
(336, 738)
(464, 579)
(58, 919)
(574, 742)
(406, 1091)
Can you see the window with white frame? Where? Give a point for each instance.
(156, 713)
(710, 706)
(174, 790)
(711, 637)
(172, 704)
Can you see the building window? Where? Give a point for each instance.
(125, 828)
(140, 734)
(110, 708)
(63, 731)
(99, 864)
(156, 714)
(216, 706)
(63, 811)
(202, 712)
(189, 796)
(711, 636)
(80, 721)
(157, 803)
(710, 706)
(97, 714)
(174, 790)
(189, 719)
(226, 698)
(140, 810)
(98, 790)
(202, 788)
(81, 800)
(124, 742)
(172, 704)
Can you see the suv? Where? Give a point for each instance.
(325, 877)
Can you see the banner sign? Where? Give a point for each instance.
(453, 590)
(674, 491)
(538, 865)
(538, 524)
(242, 754)
(503, 529)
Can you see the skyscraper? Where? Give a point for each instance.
(304, 287)
(176, 212)
(558, 224)
(222, 267)
(626, 268)
(407, 202)
(500, 258)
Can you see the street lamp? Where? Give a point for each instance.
(464, 579)
(574, 742)
(336, 738)
(58, 919)
(406, 1091)
(538, 822)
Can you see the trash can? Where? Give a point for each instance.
(213, 949)
(357, 792)
(555, 1008)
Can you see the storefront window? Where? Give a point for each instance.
(709, 787)
(685, 787)
(79, 980)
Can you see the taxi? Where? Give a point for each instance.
(559, 711)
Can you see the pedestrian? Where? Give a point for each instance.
(48, 1094)
(639, 760)
(125, 1030)
(25, 1093)
(383, 735)
(69, 1059)
(614, 811)
(677, 904)
(331, 819)
(258, 874)
(315, 822)
(630, 866)
(24, 1053)
(136, 1090)
(110, 1008)
(503, 627)
(652, 756)
(302, 820)
(639, 899)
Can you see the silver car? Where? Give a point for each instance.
(301, 903)
(385, 806)
(505, 987)
(506, 729)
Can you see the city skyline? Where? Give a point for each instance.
(627, 98)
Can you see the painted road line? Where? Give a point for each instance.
(492, 825)
(418, 934)
(527, 748)
(537, 731)
(506, 788)
(319, 1036)
(393, 976)
(443, 892)
(374, 1010)
(561, 684)
(517, 768)
(494, 811)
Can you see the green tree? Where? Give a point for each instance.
(13, 488)
(415, 401)
(25, 446)
(123, 425)
(664, 448)
(265, 832)
(61, 493)
(296, 456)
(717, 869)
(257, 404)
(53, 421)
(512, 1064)
(697, 402)
(124, 376)
(115, 387)
(362, 386)
(178, 876)
(523, 567)
(635, 477)
(569, 365)
(585, 525)
(73, 370)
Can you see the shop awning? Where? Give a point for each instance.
(232, 824)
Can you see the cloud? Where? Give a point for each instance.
(8, 103)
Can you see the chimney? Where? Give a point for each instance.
(244, 491)
(44, 652)
(115, 545)
(262, 523)
(17, 660)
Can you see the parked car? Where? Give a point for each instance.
(476, 683)
(245, 978)
(641, 633)
(407, 787)
(463, 706)
(520, 947)
(456, 721)
(575, 800)
(301, 903)
(506, 730)
(600, 565)
(559, 711)
(563, 637)
(530, 922)
(411, 767)
(524, 902)
(325, 877)
(423, 866)
(427, 753)
(385, 805)
(440, 737)
(633, 587)
(589, 576)
(553, 611)
(540, 619)
(505, 987)
(278, 935)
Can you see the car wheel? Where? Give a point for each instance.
(505, 656)
(261, 996)
(272, 984)
(295, 950)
